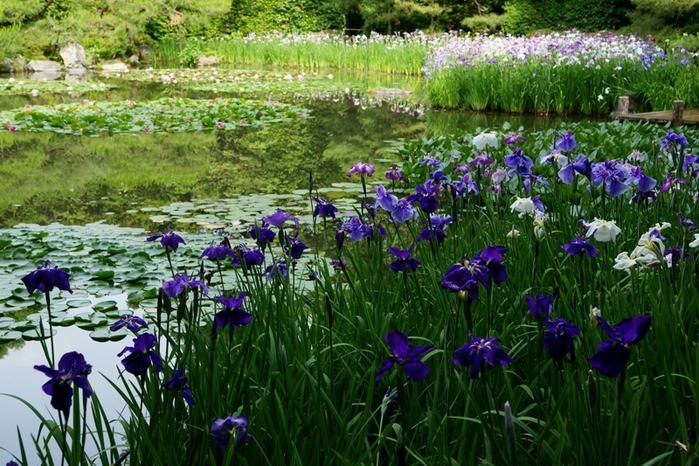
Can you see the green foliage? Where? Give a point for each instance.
(485, 23)
(524, 16)
(261, 16)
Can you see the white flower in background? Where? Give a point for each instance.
(101, 84)
(623, 262)
(514, 233)
(650, 244)
(11, 80)
(606, 90)
(484, 140)
(330, 76)
(594, 314)
(695, 243)
(636, 156)
(603, 230)
(600, 97)
(35, 93)
(540, 219)
(94, 86)
(660, 227)
(523, 205)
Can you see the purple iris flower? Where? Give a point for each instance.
(671, 182)
(436, 228)
(430, 161)
(385, 199)
(579, 245)
(266, 235)
(403, 211)
(612, 174)
(130, 321)
(230, 427)
(276, 270)
(232, 314)
(71, 368)
(142, 355)
(425, 194)
(639, 197)
(644, 182)
(672, 140)
(339, 265)
(176, 382)
(252, 257)
(294, 246)
(45, 279)
(218, 252)
(530, 180)
(180, 283)
(278, 218)
(686, 223)
(324, 208)
(355, 229)
(673, 255)
(514, 138)
(464, 186)
(558, 341)
(403, 261)
(362, 169)
(169, 240)
(519, 163)
(406, 356)
(482, 159)
(581, 166)
(463, 278)
(539, 307)
(394, 174)
(613, 354)
(689, 160)
(491, 257)
(566, 142)
(478, 351)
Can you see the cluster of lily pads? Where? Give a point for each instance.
(156, 116)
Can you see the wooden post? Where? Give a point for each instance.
(624, 105)
(677, 112)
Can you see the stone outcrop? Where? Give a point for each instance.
(145, 53)
(44, 66)
(73, 55)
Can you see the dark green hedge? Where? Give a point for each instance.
(525, 16)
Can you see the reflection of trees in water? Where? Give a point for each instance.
(276, 159)
(6, 347)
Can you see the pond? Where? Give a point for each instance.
(205, 183)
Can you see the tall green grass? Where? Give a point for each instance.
(379, 57)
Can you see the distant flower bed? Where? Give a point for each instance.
(157, 116)
(559, 73)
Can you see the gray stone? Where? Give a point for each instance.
(115, 65)
(133, 59)
(145, 53)
(73, 55)
(44, 66)
(203, 61)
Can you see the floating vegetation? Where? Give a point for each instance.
(158, 116)
(13, 86)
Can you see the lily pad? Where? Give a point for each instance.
(34, 335)
(75, 303)
(104, 334)
(7, 336)
(105, 306)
